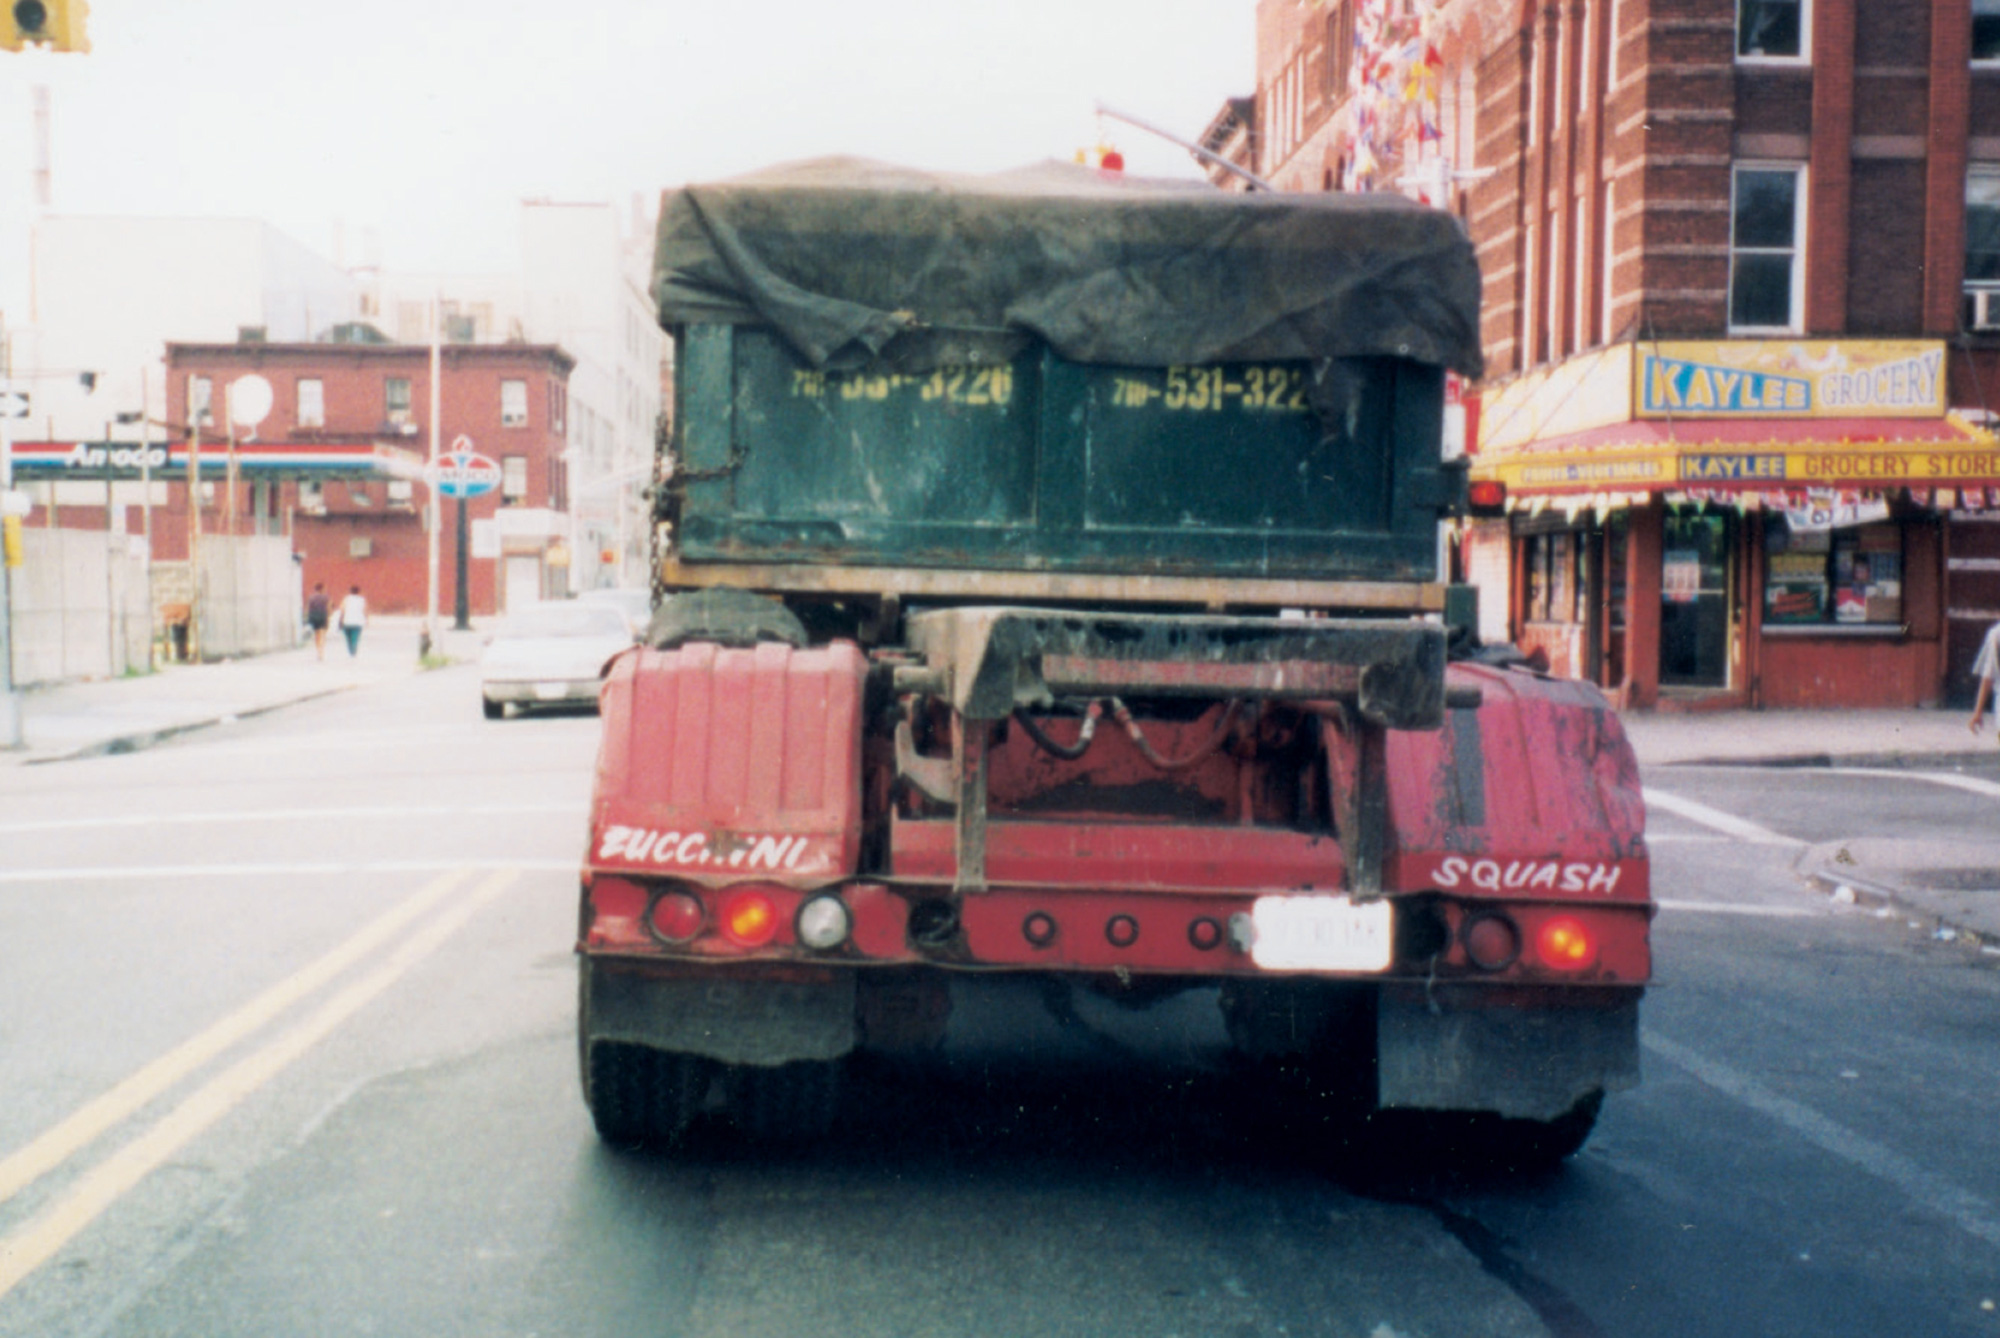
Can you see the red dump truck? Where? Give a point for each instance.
(1047, 569)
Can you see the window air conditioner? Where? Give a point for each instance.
(1985, 308)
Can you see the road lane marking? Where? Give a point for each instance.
(1964, 1209)
(27, 1249)
(371, 813)
(66, 1139)
(336, 868)
(1728, 823)
(1972, 784)
(1732, 908)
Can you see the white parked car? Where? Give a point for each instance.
(550, 655)
(636, 605)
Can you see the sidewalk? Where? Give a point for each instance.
(118, 715)
(1952, 888)
(1955, 887)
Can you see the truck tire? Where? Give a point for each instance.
(635, 1093)
(640, 1095)
(1482, 1143)
(493, 710)
(1539, 1145)
(788, 1104)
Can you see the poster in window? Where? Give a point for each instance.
(1795, 588)
(1680, 575)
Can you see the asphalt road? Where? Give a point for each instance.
(286, 1032)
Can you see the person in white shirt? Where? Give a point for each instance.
(1985, 668)
(353, 617)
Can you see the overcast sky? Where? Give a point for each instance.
(426, 122)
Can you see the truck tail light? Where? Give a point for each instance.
(750, 918)
(1492, 941)
(1565, 944)
(676, 917)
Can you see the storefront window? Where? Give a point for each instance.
(1558, 577)
(1834, 576)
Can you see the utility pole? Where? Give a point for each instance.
(431, 517)
(195, 414)
(10, 536)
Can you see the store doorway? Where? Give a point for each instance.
(1695, 563)
(523, 581)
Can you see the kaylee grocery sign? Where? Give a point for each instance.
(1790, 378)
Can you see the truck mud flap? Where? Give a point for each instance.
(1445, 1050)
(734, 1021)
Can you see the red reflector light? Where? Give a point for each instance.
(750, 918)
(1564, 944)
(677, 917)
(1486, 494)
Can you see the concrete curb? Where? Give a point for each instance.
(1888, 760)
(1872, 879)
(140, 740)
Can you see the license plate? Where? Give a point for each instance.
(1321, 934)
(551, 692)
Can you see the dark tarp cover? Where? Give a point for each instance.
(857, 263)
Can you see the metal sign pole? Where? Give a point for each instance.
(462, 609)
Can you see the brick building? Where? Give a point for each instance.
(1741, 319)
(336, 459)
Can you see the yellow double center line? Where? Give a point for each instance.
(35, 1243)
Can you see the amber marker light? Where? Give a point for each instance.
(750, 918)
(1565, 945)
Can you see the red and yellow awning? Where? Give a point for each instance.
(1704, 457)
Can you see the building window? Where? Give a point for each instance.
(557, 394)
(1530, 73)
(396, 396)
(1982, 228)
(1986, 29)
(1771, 29)
(312, 402)
(513, 404)
(1608, 221)
(1531, 347)
(201, 399)
(1764, 255)
(514, 477)
(312, 496)
(1340, 50)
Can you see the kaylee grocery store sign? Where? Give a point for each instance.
(1790, 378)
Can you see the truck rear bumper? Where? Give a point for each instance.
(762, 1019)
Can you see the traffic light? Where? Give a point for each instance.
(56, 24)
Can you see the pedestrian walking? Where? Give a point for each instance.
(353, 617)
(1985, 668)
(317, 617)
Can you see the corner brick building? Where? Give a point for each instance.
(336, 462)
(1742, 318)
